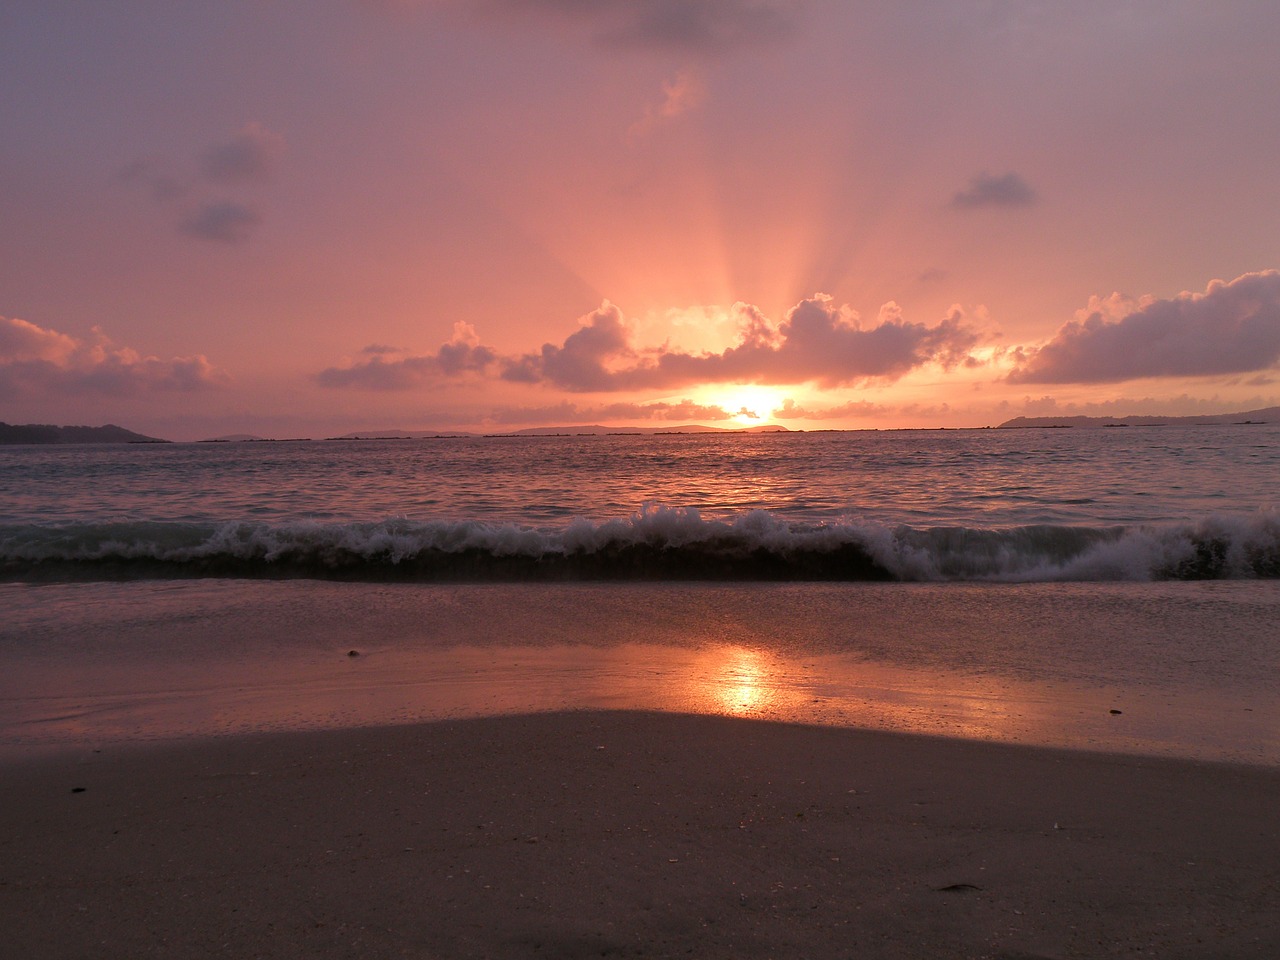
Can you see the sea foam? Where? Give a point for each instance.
(656, 543)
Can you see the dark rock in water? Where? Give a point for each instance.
(353, 653)
(958, 888)
(1116, 712)
(78, 789)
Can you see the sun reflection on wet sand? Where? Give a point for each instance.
(739, 682)
(393, 686)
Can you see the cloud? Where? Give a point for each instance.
(250, 155)
(790, 410)
(36, 360)
(24, 342)
(680, 95)
(816, 342)
(988, 190)
(163, 187)
(462, 354)
(684, 26)
(1230, 328)
(582, 360)
(222, 220)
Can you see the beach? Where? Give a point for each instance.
(257, 701)
(633, 834)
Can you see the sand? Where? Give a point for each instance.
(623, 834)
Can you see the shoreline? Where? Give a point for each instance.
(622, 833)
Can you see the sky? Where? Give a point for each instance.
(308, 217)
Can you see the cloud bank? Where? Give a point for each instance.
(817, 342)
(36, 360)
(1230, 328)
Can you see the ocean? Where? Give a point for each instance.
(1114, 589)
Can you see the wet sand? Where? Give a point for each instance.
(629, 834)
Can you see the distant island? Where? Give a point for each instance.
(1265, 415)
(47, 433)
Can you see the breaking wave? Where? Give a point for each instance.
(658, 543)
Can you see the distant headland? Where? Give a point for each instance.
(47, 433)
(1265, 415)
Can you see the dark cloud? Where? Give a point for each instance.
(250, 155)
(35, 360)
(463, 354)
(1230, 328)
(685, 26)
(988, 190)
(816, 342)
(222, 220)
(584, 356)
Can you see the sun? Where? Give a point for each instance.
(748, 404)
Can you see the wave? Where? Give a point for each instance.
(658, 543)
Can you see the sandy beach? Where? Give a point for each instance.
(631, 834)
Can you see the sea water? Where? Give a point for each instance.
(1115, 589)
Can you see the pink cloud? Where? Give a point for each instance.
(680, 95)
(790, 410)
(462, 354)
(1230, 328)
(35, 360)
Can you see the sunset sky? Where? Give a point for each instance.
(294, 218)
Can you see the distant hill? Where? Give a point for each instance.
(1265, 415)
(47, 433)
